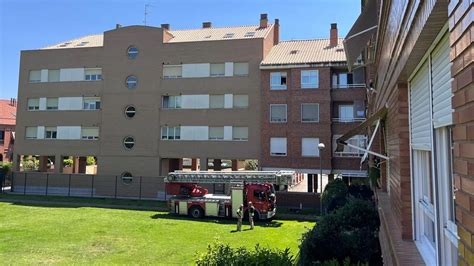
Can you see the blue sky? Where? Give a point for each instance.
(32, 24)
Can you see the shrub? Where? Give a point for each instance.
(251, 165)
(334, 195)
(348, 232)
(68, 162)
(90, 160)
(218, 254)
(361, 191)
(30, 164)
(6, 167)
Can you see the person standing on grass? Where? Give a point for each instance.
(240, 214)
(251, 213)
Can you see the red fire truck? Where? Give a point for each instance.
(189, 198)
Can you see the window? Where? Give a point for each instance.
(278, 81)
(128, 142)
(53, 75)
(93, 74)
(240, 101)
(309, 147)
(132, 52)
(35, 76)
(217, 70)
(240, 133)
(309, 79)
(2, 135)
(91, 103)
(260, 195)
(342, 80)
(278, 113)
(33, 104)
(357, 140)
(130, 111)
(310, 112)
(127, 178)
(50, 133)
(216, 101)
(346, 113)
(90, 133)
(52, 104)
(172, 72)
(131, 82)
(171, 102)
(31, 132)
(241, 69)
(170, 133)
(228, 35)
(278, 146)
(216, 133)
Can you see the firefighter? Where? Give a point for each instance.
(251, 213)
(240, 214)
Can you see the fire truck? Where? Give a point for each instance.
(189, 198)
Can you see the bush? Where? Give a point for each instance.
(30, 164)
(6, 167)
(68, 162)
(90, 160)
(218, 254)
(348, 232)
(361, 191)
(251, 165)
(334, 195)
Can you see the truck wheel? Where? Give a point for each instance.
(196, 212)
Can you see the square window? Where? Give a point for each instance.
(35, 76)
(278, 147)
(240, 133)
(216, 101)
(310, 112)
(278, 81)
(309, 147)
(240, 101)
(278, 113)
(218, 70)
(51, 103)
(216, 133)
(241, 69)
(309, 79)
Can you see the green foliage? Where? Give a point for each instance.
(68, 162)
(346, 262)
(361, 191)
(374, 175)
(334, 195)
(251, 165)
(30, 164)
(348, 232)
(218, 254)
(90, 160)
(6, 167)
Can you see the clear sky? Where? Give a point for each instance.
(32, 24)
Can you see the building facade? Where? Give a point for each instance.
(7, 129)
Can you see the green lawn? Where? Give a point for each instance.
(32, 234)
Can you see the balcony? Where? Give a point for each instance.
(347, 120)
(348, 86)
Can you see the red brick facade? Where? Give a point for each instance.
(7, 128)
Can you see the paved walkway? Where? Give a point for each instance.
(303, 185)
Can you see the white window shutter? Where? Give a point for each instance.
(420, 113)
(441, 78)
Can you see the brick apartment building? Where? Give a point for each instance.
(419, 60)
(7, 129)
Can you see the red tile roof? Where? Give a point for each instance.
(7, 113)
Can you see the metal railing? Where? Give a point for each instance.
(348, 154)
(348, 120)
(348, 86)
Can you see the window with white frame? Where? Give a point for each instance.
(278, 147)
(309, 147)
(342, 80)
(278, 113)
(278, 81)
(53, 75)
(216, 101)
(170, 133)
(346, 113)
(172, 71)
(90, 133)
(310, 112)
(171, 102)
(241, 69)
(240, 101)
(216, 133)
(91, 103)
(309, 79)
(92, 74)
(52, 104)
(218, 70)
(33, 104)
(357, 140)
(35, 76)
(31, 132)
(50, 132)
(240, 133)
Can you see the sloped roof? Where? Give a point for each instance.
(96, 40)
(7, 113)
(305, 52)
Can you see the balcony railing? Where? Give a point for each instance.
(347, 86)
(348, 154)
(347, 120)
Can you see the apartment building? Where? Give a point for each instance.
(310, 97)
(140, 99)
(7, 129)
(420, 117)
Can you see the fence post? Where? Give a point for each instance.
(92, 187)
(24, 185)
(140, 192)
(116, 186)
(69, 187)
(47, 183)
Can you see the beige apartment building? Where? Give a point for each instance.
(140, 99)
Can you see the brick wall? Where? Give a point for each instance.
(6, 148)
(462, 71)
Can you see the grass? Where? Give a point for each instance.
(36, 233)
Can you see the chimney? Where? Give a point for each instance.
(276, 32)
(263, 20)
(165, 26)
(333, 35)
(117, 26)
(206, 25)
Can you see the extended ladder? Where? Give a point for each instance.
(207, 177)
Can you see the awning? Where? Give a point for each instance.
(361, 32)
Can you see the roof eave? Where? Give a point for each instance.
(302, 65)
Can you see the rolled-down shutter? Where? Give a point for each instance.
(441, 82)
(420, 111)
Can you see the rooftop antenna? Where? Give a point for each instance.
(146, 12)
